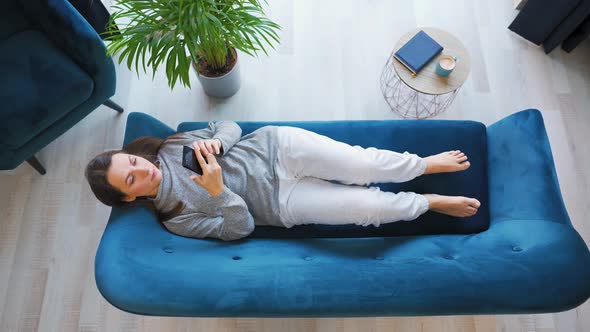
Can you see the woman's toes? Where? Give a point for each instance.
(461, 154)
(466, 165)
(462, 159)
(474, 202)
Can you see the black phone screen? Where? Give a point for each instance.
(189, 160)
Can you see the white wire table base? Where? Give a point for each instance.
(407, 102)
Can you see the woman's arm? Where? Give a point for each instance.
(228, 132)
(235, 221)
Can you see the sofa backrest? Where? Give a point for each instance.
(12, 19)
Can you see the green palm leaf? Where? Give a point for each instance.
(175, 33)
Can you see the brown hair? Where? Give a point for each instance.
(96, 173)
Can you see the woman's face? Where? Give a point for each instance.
(134, 176)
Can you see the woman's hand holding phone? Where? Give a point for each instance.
(212, 179)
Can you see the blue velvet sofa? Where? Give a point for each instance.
(54, 72)
(519, 254)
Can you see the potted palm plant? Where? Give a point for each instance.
(178, 33)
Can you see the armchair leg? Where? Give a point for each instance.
(113, 105)
(34, 162)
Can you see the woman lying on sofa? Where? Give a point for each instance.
(276, 175)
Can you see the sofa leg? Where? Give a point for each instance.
(113, 105)
(34, 162)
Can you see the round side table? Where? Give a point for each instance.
(427, 94)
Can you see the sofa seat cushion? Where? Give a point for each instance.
(38, 86)
(416, 136)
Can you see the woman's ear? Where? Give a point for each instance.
(128, 199)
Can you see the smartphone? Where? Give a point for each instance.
(189, 160)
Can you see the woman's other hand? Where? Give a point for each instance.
(212, 179)
(207, 146)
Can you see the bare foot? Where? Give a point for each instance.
(450, 161)
(456, 206)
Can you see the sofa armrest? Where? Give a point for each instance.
(522, 181)
(67, 29)
(133, 231)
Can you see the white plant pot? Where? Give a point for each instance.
(222, 86)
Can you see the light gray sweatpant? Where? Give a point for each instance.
(306, 160)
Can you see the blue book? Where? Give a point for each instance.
(418, 51)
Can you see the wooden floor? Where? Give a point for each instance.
(326, 68)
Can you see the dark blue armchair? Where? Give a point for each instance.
(54, 72)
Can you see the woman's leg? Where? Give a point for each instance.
(306, 160)
(317, 201)
(305, 153)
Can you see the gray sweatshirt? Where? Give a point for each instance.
(251, 186)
